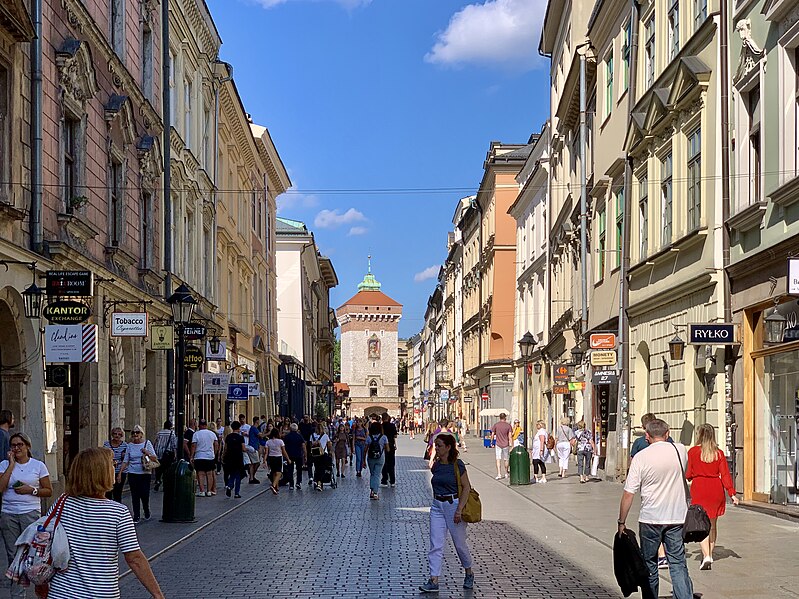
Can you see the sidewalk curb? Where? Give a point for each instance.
(186, 537)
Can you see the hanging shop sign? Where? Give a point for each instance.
(793, 276)
(193, 358)
(69, 283)
(66, 312)
(129, 324)
(602, 341)
(162, 337)
(194, 332)
(603, 358)
(576, 385)
(238, 392)
(253, 389)
(444, 395)
(70, 343)
(560, 389)
(604, 377)
(57, 375)
(560, 374)
(216, 383)
(218, 356)
(712, 334)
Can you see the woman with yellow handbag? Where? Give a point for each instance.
(452, 492)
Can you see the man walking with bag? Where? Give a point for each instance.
(657, 472)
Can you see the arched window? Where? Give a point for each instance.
(373, 388)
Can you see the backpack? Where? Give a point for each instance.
(375, 450)
(316, 445)
(550, 442)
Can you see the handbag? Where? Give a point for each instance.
(427, 453)
(697, 523)
(148, 463)
(473, 510)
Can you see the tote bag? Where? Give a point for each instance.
(696, 527)
(473, 510)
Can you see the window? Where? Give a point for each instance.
(117, 22)
(187, 99)
(649, 50)
(173, 101)
(253, 215)
(70, 143)
(666, 199)
(796, 111)
(260, 218)
(700, 13)
(619, 224)
(625, 56)
(230, 293)
(147, 62)
(207, 145)
(694, 179)
(753, 107)
(601, 244)
(373, 389)
(643, 217)
(674, 28)
(116, 201)
(146, 234)
(609, 84)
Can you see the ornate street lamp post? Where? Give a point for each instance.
(526, 347)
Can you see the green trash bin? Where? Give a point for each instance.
(519, 466)
(179, 493)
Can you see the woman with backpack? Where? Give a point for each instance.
(375, 457)
(540, 451)
(320, 450)
(566, 439)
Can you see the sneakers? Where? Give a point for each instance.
(468, 581)
(237, 496)
(707, 563)
(136, 520)
(384, 485)
(228, 491)
(663, 563)
(147, 515)
(429, 587)
(291, 487)
(393, 485)
(358, 474)
(255, 481)
(373, 495)
(498, 478)
(200, 493)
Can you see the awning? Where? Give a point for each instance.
(494, 412)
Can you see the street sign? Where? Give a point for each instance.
(194, 332)
(193, 358)
(216, 383)
(129, 324)
(793, 276)
(712, 334)
(69, 283)
(66, 312)
(576, 385)
(604, 377)
(603, 358)
(162, 337)
(560, 389)
(467, 399)
(238, 392)
(253, 389)
(444, 395)
(484, 396)
(603, 341)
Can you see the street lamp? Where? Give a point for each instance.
(537, 367)
(181, 506)
(33, 301)
(577, 355)
(676, 349)
(526, 347)
(775, 324)
(214, 343)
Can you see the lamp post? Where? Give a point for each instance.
(774, 328)
(179, 495)
(526, 347)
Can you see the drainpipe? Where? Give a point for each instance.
(37, 244)
(167, 112)
(622, 423)
(217, 85)
(583, 199)
(729, 353)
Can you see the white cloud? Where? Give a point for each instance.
(494, 32)
(295, 200)
(357, 231)
(330, 219)
(426, 274)
(348, 4)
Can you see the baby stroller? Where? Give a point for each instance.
(328, 471)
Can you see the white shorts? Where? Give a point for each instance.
(502, 452)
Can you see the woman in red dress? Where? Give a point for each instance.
(710, 476)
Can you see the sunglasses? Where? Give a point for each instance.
(17, 445)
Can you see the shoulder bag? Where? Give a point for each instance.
(473, 510)
(149, 463)
(697, 523)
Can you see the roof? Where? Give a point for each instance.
(370, 298)
(286, 226)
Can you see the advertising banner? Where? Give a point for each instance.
(216, 383)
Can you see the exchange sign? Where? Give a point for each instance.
(603, 358)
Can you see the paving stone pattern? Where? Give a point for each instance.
(339, 544)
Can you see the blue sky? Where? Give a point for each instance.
(386, 94)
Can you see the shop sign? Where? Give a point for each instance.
(70, 343)
(193, 358)
(793, 276)
(604, 377)
(253, 389)
(129, 324)
(194, 332)
(216, 356)
(69, 283)
(560, 374)
(560, 389)
(444, 395)
(238, 392)
(712, 334)
(57, 375)
(603, 358)
(162, 337)
(576, 385)
(216, 383)
(467, 399)
(603, 341)
(66, 312)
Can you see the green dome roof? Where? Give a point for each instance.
(369, 282)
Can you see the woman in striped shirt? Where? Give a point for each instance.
(118, 447)
(97, 529)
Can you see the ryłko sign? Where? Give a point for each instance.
(712, 334)
(66, 312)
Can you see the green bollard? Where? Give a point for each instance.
(179, 493)
(519, 466)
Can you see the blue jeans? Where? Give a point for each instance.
(359, 449)
(234, 481)
(375, 471)
(652, 535)
(584, 462)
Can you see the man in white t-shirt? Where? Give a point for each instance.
(204, 445)
(657, 472)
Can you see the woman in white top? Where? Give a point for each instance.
(138, 475)
(540, 452)
(275, 454)
(23, 480)
(321, 447)
(566, 439)
(98, 529)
